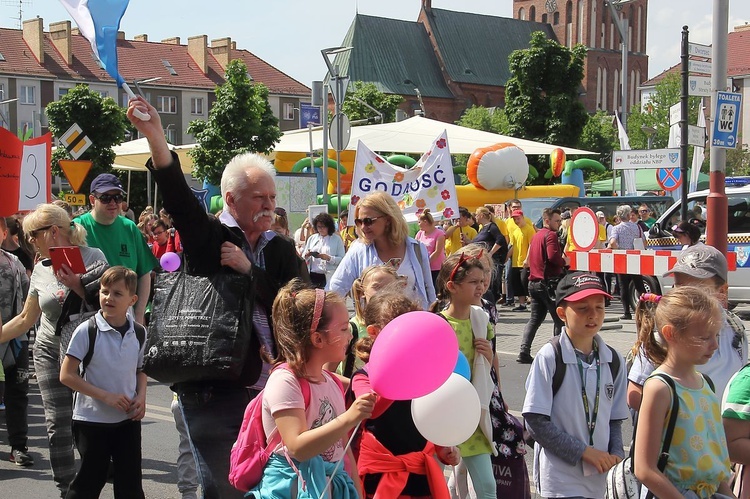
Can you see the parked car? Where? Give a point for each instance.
(533, 207)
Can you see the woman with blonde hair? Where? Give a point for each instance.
(50, 298)
(384, 239)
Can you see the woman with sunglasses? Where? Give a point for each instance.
(384, 239)
(50, 295)
(323, 250)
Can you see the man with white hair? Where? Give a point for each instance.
(241, 240)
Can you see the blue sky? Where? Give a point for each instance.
(289, 34)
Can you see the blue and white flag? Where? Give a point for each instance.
(99, 21)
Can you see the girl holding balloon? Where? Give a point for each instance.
(390, 435)
(311, 328)
(460, 286)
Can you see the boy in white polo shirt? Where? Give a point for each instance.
(111, 391)
(578, 429)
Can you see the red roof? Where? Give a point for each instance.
(137, 59)
(738, 57)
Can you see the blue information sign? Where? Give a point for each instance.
(308, 114)
(726, 120)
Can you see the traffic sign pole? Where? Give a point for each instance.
(684, 123)
(716, 220)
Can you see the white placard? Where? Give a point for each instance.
(699, 67)
(34, 184)
(674, 114)
(637, 159)
(698, 50)
(699, 86)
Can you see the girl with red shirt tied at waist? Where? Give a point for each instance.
(395, 460)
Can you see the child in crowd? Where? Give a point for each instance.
(578, 430)
(111, 398)
(389, 435)
(373, 279)
(461, 284)
(736, 418)
(311, 328)
(688, 321)
(705, 267)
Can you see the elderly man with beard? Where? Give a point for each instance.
(241, 240)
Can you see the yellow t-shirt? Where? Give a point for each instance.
(477, 442)
(453, 243)
(520, 238)
(511, 224)
(502, 226)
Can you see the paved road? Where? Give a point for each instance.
(160, 437)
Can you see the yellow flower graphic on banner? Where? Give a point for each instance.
(408, 200)
(432, 192)
(369, 168)
(440, 206)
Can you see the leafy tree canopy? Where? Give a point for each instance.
(241, 120)
(368, 92)
(599, 135)
(541, 99)
(488, 119)
(101, 119)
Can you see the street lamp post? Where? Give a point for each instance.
(650, 132)
(340, 84)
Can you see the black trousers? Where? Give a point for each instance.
(541, 303)
(625, 280)
(97, 443)
(17, 399)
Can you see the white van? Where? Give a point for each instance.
(738, 239)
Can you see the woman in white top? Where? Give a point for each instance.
(323, 250)
(301, 235)
(384, 239)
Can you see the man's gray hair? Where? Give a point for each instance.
(623, 211)
(234, 177)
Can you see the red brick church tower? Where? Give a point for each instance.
(590, 23)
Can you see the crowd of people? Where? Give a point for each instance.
(309, 360)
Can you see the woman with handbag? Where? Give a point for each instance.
(323, 250)
(53, 296)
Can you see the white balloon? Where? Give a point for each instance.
(449, 415)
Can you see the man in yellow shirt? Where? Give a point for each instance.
(347, 233)
(520, 238)
(460, 233)
(513, 204)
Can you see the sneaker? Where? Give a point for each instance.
(524, 358)
(626, 317)
(520, 308)
(21, 457)
(508, 304)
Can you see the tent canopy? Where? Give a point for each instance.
(415, 136)
(645, 180)
(132, 156)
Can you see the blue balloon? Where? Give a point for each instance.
(462, 366)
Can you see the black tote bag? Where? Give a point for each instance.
(201, 327)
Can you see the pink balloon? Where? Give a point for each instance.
(170, 261)
(412, 356)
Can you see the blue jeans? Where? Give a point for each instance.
(509, 296)
(482, 477)
(213, 416)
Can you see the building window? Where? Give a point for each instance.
(544, 18)
(532, 14)
(556, 18)
(62, 91)
(27, 95)
(196, 105)
(288, 112)
(102, 93)
(522, 14)
(169, 133)
(126, 98)
(166, 104)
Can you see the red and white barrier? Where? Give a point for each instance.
(636, 262)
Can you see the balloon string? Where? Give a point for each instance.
(336, 468)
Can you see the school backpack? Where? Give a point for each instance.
(251, 451)
(560, 367)
(140, 334)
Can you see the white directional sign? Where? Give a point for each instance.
(698, 50)
(645, 159)
(699, 86)
(696, 135)
(674, 114)
(699, 66)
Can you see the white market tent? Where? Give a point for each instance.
(415, 135)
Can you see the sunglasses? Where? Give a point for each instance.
(34, 233)
(461, 260)
(367, 221)
(108, 198)
(280, 212)
(394, 262)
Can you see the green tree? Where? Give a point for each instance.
(599, 135)
(240, 121)
(541, 99)
(368, 92)
(488, 119)
(102, 121)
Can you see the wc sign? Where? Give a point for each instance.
(726, 120)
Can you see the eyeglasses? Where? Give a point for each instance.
(34, 233)
(463, 258)
(642, 211)
(367, 221)
(159, 233)
(108, 198)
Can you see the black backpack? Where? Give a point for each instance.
(140, 333)
(560, 367)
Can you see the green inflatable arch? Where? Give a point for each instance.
(318, 163)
